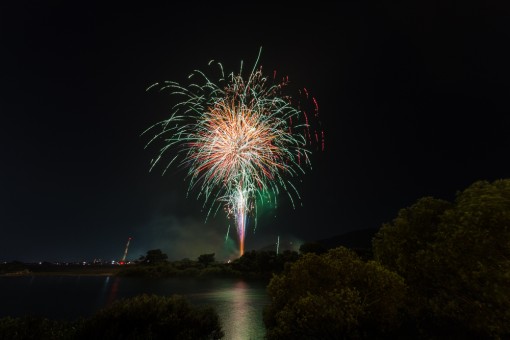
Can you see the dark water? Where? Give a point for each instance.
(239, 303)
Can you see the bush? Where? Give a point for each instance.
(36, 328)
(262, 264)
(152, 317)
(141, 317)
(189, 272)
(332, 296)
(456, 260)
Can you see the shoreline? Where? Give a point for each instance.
(55, 274)
(70, 272)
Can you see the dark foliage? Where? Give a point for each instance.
(141, 317)
(263, 264)
(206, 259)
(152, 317)
(154, 257)
(312, 247)
(36, 328)
(456, 260)
(333, 296)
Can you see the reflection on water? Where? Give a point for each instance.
(114, 288)
(239, 304)
(241, 317)
(240, 309)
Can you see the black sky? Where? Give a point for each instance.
(413, 99)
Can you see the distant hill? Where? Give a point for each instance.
(356, 239)
(283, 247)
(359, 241)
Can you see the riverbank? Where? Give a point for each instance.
(159, 271)
(253, 265)
(65, 270)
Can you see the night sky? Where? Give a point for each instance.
(414, 101)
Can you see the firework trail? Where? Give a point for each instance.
(241, 139)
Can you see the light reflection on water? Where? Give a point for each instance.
(239, 303)
(240, 310)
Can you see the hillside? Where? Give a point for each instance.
(357, 240)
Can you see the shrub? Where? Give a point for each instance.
(152, 317)
(333, 295)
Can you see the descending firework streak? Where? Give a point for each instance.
(241, 138)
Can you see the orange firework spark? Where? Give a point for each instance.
(238, 138)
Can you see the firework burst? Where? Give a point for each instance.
(241, 139)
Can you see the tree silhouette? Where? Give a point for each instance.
(206, 259)
(155, 256)
(455, 259)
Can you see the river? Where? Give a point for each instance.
(239, 303)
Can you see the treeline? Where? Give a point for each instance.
(17, 268)
(440, 270)
(252, 265)
(13, 267)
